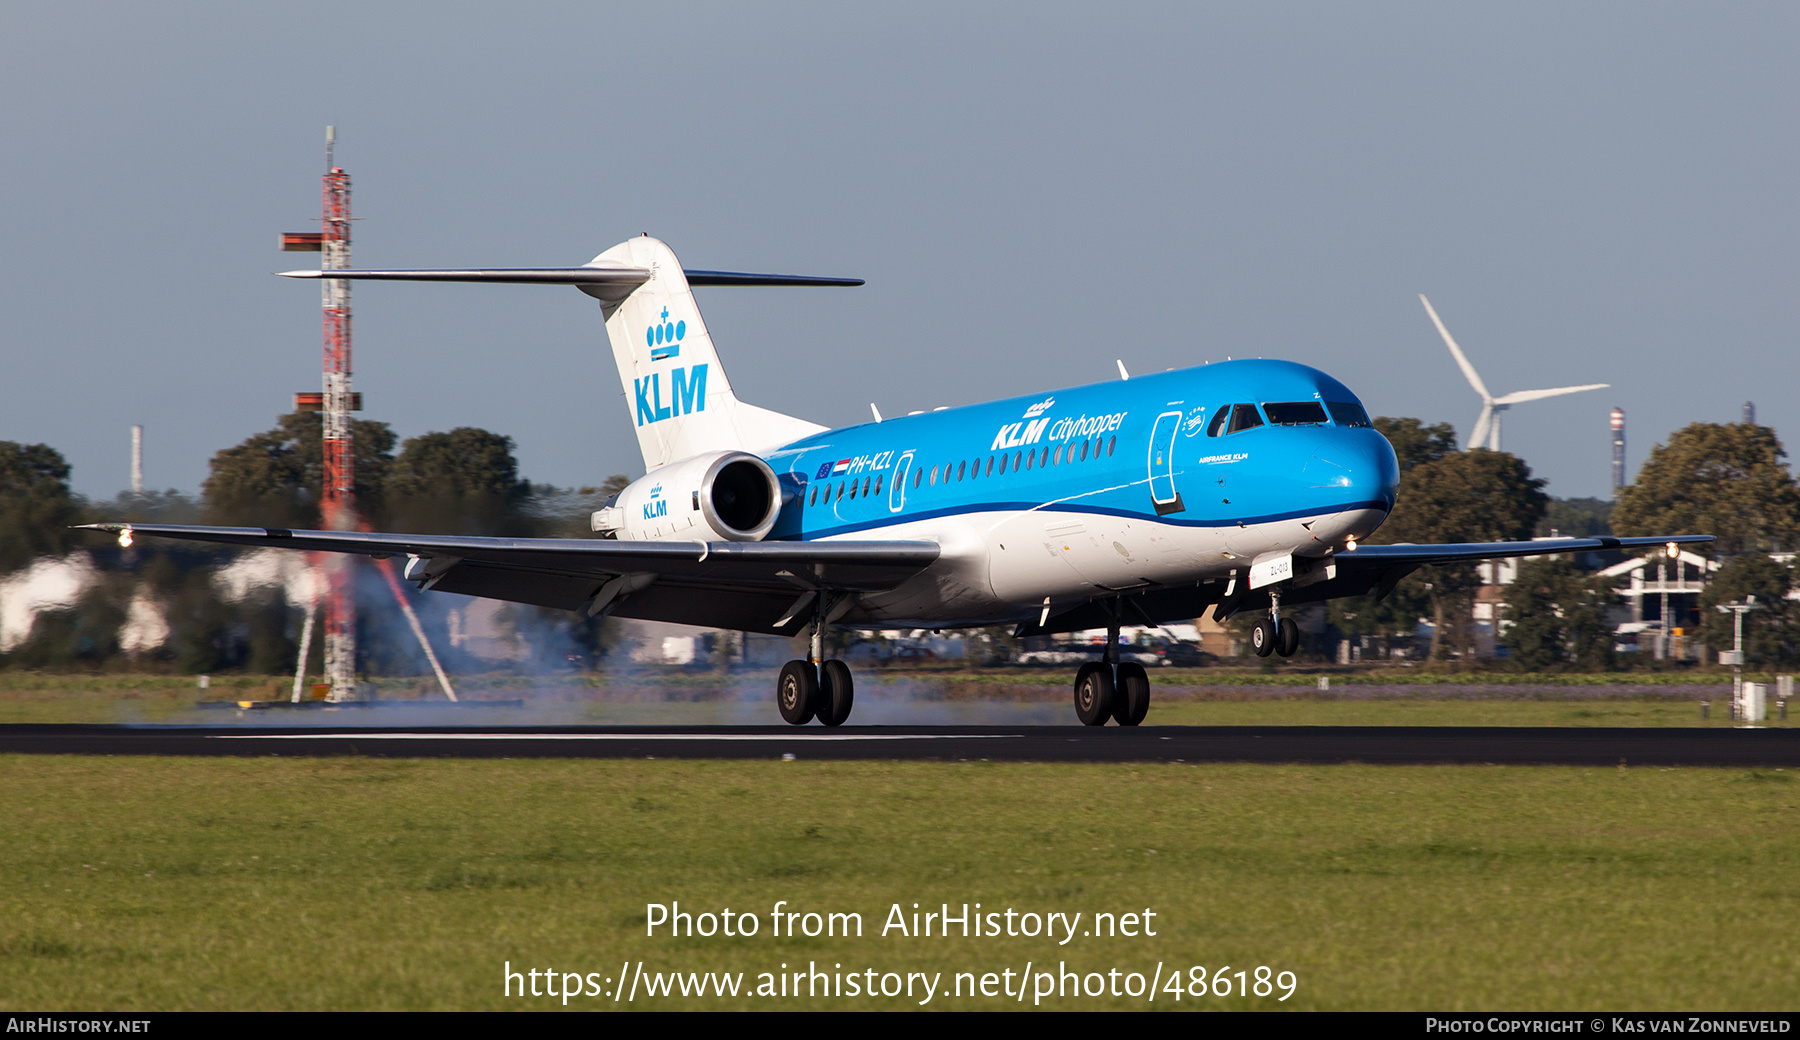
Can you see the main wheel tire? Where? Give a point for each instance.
(1094, 693)
(837, 692)
(1287, 637)
(1262, 638)
(797, 692)
(1131, 694)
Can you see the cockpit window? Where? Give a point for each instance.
(1244, 417)
(1348, 413)
(1295, 413)
(1217, 426)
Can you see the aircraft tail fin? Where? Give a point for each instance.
(680, 400)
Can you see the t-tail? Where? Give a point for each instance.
(680, 399)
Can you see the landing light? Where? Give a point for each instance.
(1350, 544)
(125, 537)
(1671, 550)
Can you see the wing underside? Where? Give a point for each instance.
(1368, 568)
(749, 586)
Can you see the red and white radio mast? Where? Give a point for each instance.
(337, 503)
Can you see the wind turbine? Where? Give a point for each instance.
(1487, 425)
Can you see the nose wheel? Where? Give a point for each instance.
(1287, 637)
(1263, 637)
(1275, 634)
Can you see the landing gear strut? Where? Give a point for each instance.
(816, 687)
(1107, 689)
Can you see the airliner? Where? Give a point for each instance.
(1242, 485)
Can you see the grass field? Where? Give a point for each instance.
(142, 883)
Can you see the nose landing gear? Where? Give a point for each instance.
(1275, 634)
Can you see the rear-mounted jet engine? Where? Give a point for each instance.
(720, 496)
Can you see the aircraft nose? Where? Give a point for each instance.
(1377, 469)
(1364, 468)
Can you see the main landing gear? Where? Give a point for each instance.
(815, 688)
(1107, 689)
(1275, 634)
(806, 691)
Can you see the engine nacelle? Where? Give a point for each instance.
(720, 496)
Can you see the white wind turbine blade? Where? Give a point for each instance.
(1468, 370)
(1538, 395)
(1480, 432)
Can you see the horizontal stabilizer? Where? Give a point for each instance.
(632, 276)
(518, 275)
(739, 278)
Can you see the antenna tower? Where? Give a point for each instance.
(1618, 451)
(338, 502)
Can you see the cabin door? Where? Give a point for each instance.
(1162, 464)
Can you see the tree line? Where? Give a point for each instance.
(463, 481)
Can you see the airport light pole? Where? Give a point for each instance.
(1737, 610)
(1662, 640)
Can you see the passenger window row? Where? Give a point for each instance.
(1049, 455)
(993, 465)
(815, 498)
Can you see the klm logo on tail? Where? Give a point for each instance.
(687, 386)
(687, 393)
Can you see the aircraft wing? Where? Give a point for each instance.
(1367, 568)
(751, 586)
(1378, 568)
(1415, 555)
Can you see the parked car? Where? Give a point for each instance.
(1081, 653)
(1184, 655)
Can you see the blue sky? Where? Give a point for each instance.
(1587, 192)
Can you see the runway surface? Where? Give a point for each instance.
(1385, 745)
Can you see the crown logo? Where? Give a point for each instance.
(666, 333)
